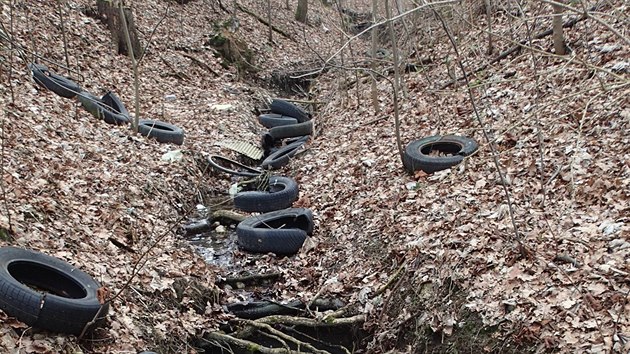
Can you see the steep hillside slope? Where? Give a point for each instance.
(426, 262)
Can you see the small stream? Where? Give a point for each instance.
(217, 244)
(216, 248)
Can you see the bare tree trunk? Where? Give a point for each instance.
(488, 4)
(343, 78)
(136, 84)
(558, 35)
(392, 36)
(302, 10)
(63, 33)
(269, 20)
(108, 10)
(375, 103)
(403, 57)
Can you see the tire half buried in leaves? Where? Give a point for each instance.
(58, 84)
(48, 293)
(161, 131)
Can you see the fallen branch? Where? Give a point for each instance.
(177, 74)
(121, 245)
(263, 21)
(249, 279)
(307, 322)
(144, 51)
(201, 64)
(391, 280)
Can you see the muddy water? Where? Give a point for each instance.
(217, 248)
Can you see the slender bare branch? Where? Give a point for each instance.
(495, 157)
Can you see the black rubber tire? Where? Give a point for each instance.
(416, 156)
(161, 131)
(213, 161)
(258, 309)
(290, 131)
(282, 156)
(58, 84)
(281, 232)
(272, 120)
(91, 103)
(113, 110)
(66, 299)
(289, 109)
(268, 144)
(281, 194)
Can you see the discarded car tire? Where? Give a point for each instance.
(417, 153)
(280, 194)
(282, 156)
(281, 232)
(161, 131)
(65, 300)
(287, 108)
(218, 163)
(272, 120)
(58, 84)
(113, 110)
(91, 103)
(290, 131)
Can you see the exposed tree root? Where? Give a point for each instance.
(250, 279)
(266, 326)
(308, 322)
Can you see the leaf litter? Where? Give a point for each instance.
(74, 183)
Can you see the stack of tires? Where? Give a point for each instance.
(279, 229)
(108, 107)
(289, 128)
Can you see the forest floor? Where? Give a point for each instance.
(427, 263)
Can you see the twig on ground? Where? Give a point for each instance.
(201, 64)
(392, 279)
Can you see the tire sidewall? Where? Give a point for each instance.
(50, 314)
(152, 128)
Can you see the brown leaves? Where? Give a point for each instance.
(102, 294)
